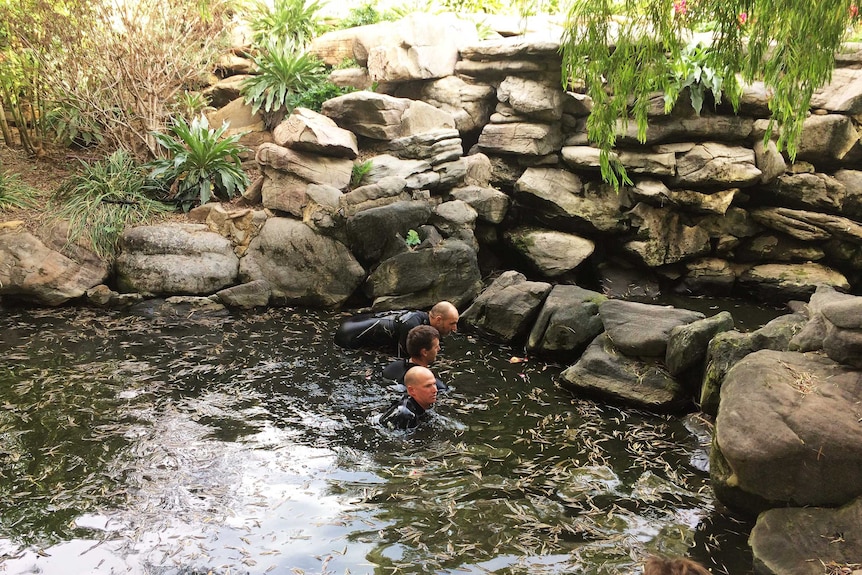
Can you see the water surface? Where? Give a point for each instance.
(247, 443)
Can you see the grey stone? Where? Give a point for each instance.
(568, 321)
(640, 329)
(507, 308)
(552, 253)
(687, 344)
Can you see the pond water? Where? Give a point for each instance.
(247, 443)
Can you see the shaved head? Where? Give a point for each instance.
(444, 316)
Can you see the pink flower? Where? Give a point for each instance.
(742, 18)
(680, 7)
(854, 11)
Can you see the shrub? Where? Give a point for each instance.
(314, 97)
(201, 163)
(103, 198)
(294, 21)
(284, 73)
(366, 14)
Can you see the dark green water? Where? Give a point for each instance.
(247, 444)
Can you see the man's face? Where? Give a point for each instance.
(446, 323)
(424, 390)
(430, 354)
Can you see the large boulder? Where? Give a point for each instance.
(383, 117)
(687, 345)
(603, 371)
(521, 138)
(788, 433)
(302, 267)
(716, 165)
(307, 131)
(794, 281)
(641, 329)
(490, 204)
(175, 259)
(558, 198)
(843, 341)
(445, 270)
(507, 308)
(808, 541)
(379, 232)
(665, 237)
(551, 253)
(812, 334)
(470, 104)
(34, 272)
(568, 321)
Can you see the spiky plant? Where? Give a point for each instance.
(201, 163)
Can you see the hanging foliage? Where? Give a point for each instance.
(624, 52)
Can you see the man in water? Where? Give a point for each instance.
(411, 409)
(423, 344)
(390, 328)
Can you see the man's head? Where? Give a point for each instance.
(444, 317)
(421, 385)
(423, 343)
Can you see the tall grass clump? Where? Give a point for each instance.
(104, 198)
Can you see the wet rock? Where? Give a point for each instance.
(640, 329)
(34, 272)
(804, 541)
(379, 232)
(687, 344)
(507, 308)
(175, 259)
(788, 433)
(603, 370)
(568, 321)
(301, 266)
(246, 296)
(446, 270)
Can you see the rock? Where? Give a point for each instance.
(842, 93)
(769, 161)
(225, 91)
(178, 308)
(587, 157)
(687, 344)
(788, 433)
(414, 172)
(665, 238)
(419, 278)
(807, 541)
(843, 341)
(246, 296)
(301, 266)
(385, 191)
(288, 173)
(724, 351)
(104, 297)
(470, 104)
(808, 191)
(852, 201)
(809, 226)
(826, 139)
(175, 259)
(421, 47)
(706, 127)
(520, 138)
(382, 117)
(568, 321)
(356, 78)
(602, 370)
(33, 272)
(778, 248)
(707, 276)
(506, 308)
(558, 199)
(550, 252)
(435, 147)
(491, 205)
(542, 101)
(478, 170)
(656, 194)
(241, 121)
(378, 233)
(812, 334)
(308, 131)
(784, 282)
(640, 329)
(716, 165)
(456, 219)
(620, 280)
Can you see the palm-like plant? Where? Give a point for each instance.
(283, 73)
(295, 21)
(201, 163)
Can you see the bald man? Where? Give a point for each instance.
(421, 395)
(381, 330)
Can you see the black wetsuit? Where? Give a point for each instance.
(398, 368)
(380, 330)
(405, 414)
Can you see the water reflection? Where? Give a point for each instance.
(246, 444)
